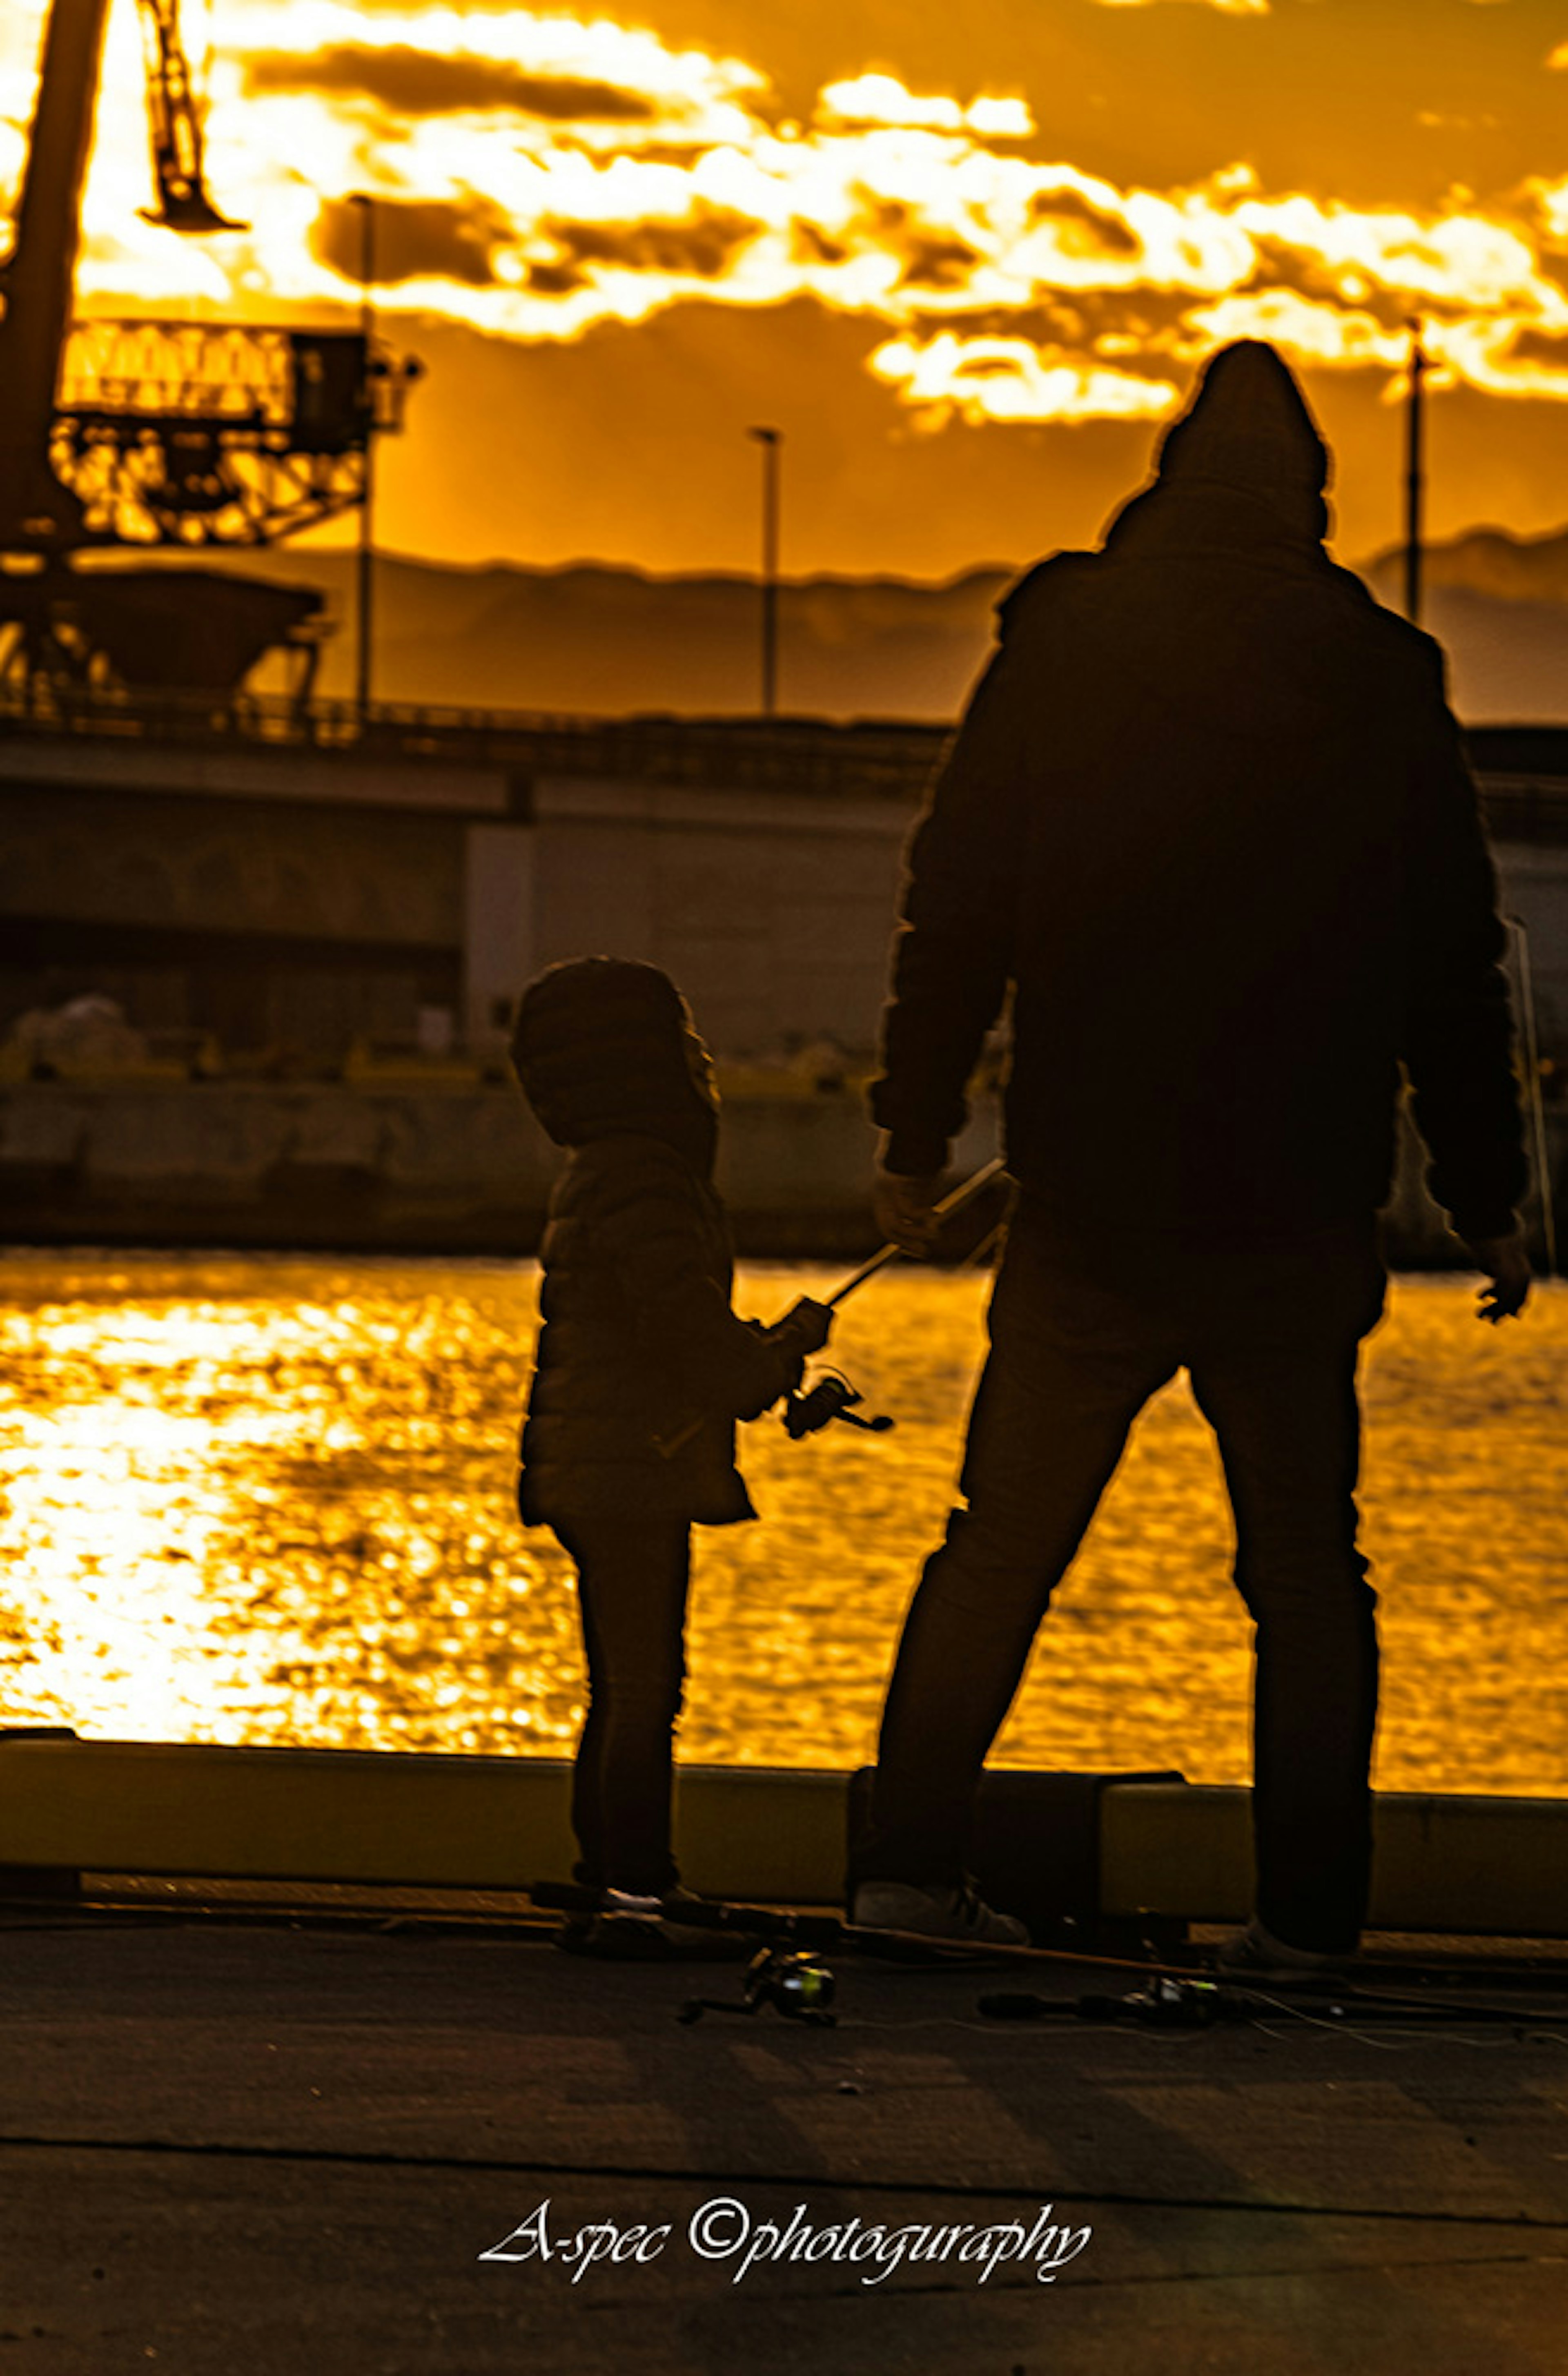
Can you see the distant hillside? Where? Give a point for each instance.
(1487, 561)
(1498, 604)
(606, 641)
(601, 640)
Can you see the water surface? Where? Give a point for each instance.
(262, 1499)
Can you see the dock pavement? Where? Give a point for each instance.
(256, 2134)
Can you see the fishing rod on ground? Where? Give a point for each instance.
(787, 1975)
(832, 1396)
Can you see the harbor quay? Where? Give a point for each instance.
(463, 1168)
(398, 2131)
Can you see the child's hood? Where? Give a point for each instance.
(605, 1045)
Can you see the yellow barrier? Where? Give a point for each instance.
(350, 1815)
(1496, 1867)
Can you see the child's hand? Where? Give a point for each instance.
(809, 1325)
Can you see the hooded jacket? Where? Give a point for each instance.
(1207, 813)
(642, 1368)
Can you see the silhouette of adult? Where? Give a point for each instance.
(1208, 815)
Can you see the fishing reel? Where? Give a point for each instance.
(831, 1397)
(795, 1985)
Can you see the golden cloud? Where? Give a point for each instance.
(1550, 198)
(880, 98)
(413, 82)
(1013, 379)
(1226, 7)
(536, 176)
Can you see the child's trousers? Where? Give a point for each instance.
(632, 1579)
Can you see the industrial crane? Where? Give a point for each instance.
(149, 433)
(175, 127)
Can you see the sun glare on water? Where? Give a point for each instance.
(269, 1501)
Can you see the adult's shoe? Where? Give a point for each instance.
(957, 1912)
(1255, 1953)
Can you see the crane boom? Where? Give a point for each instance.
(175, 127)
(40, 273)
(180, 434)
(36, 511)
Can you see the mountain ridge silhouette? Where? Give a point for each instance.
(600, 639)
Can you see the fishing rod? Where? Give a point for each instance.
(787, 1973)
(833, 1398)
(953, 1202)
(1538, 1108)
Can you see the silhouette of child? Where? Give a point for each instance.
(642, 1370)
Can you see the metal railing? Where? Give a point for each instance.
(1522, 771)
(798, 754)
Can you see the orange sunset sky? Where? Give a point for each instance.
(966, 257)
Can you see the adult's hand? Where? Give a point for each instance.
(904, 1205)
(1507, 1267)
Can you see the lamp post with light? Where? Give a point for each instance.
(365, 573)
(770, 440)
(1414, 488)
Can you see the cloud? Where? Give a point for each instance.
(1331, 337)
(416, 82)
(536, 177)
(880, 98)
(429, 239)
(1011, 379)
(1550, 200)
(703, 245)
(430, 61)
(1226, 7)
(1079, 226)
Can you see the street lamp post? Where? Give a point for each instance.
(364, 618)
(770, 440)
(1413, 478)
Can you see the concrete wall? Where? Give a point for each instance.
(175, 878)
(92, 856)
(312, 1164)
(772, 911)
(499, 927)
(449, 1169)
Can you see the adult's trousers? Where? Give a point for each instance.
(1085, 1326)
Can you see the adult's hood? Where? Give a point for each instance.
(604, 1045)
(1246, 451)
(1239, 479)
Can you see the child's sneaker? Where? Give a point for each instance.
(957, 1912)
(641, 1927)
(1255, 1953)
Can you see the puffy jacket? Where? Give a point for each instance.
(1208, 814)
(642, 1368)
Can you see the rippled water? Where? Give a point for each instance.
(270, 1500)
